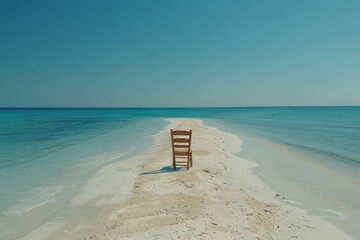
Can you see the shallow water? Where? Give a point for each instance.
(306, 179)
(47, 155)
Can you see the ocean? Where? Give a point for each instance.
(47, 153)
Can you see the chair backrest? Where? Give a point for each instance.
(181, 140)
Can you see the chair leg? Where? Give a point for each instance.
(174, 163)
(191, 160)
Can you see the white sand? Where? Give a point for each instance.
(219, 198)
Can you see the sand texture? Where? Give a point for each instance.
(218, 198)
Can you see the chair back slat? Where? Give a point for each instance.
(181, 153)
(181, 132)
(181, 140)
(181, 146)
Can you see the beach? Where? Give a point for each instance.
(218, 198)
(90, 93)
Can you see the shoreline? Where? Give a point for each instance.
(218, 198)
(321, 186)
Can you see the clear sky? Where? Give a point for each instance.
(179, 53)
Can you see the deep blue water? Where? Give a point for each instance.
(38, 146)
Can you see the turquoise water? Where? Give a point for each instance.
(39, 147)
(329, 131)
(41, 151)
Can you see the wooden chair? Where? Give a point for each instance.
(181, 148)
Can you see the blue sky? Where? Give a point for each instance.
(179, 53)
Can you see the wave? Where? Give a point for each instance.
(32, 199)
(325, 153)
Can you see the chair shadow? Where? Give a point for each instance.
(162, 170)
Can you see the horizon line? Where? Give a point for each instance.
(163, 107)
